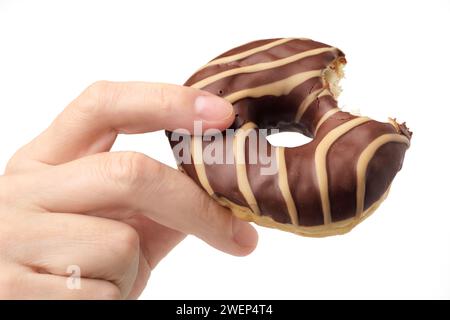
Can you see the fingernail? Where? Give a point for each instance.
(244, 234)
(213, 108)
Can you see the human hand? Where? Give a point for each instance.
(66, 200)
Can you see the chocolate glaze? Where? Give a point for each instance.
(217, 174)
(266, 190)
(269, 110)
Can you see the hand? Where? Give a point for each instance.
(66, 201)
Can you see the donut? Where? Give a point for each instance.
(322, 188)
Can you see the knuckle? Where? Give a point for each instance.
(12, 164)
(125, 243)
(95, 96)
(127, 168)
(98, 86)
(20, 160)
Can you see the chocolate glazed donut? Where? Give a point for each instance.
(322, 188)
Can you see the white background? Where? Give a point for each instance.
(398, 65)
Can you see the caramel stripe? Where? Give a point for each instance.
(324, 118)
(363, 162)
(283, 184)
(279, 52)
(241, 169)
(276, 88)
(197, 156)
(247, 53)
(261, 66)
(324, 93)
(309, 100)
(320, 158)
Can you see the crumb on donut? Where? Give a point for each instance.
(333, 74)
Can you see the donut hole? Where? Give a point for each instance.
(288, 139)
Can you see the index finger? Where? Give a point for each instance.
(90, 123)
